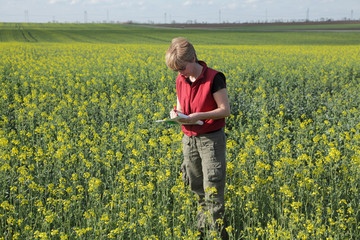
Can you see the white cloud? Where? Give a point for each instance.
(100, 1)
(198, 3)
(56, 1)
(72, 2)
(231, 5)
(187, 3)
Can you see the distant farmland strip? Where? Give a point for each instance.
(213, 34)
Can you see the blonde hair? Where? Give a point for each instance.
(180, 52)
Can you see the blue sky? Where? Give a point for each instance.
(160, 11)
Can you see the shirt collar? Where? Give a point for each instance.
(204, 65)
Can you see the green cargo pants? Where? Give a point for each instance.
(204, 170)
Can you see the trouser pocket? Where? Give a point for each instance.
(184, 176)
(214, 172)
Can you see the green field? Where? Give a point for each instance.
(137, 34)
(81, 156)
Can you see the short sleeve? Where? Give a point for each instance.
(219, 82)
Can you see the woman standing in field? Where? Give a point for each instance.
(202, 95)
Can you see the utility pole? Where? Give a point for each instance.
(352, 14)
(220, 16)
(266, 16)
(85, 16)
(26, 16)
(307, 14)
(107, 16)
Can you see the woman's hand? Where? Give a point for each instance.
(173, 113)
(192, 119)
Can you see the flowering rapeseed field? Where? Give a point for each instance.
(81, 157)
